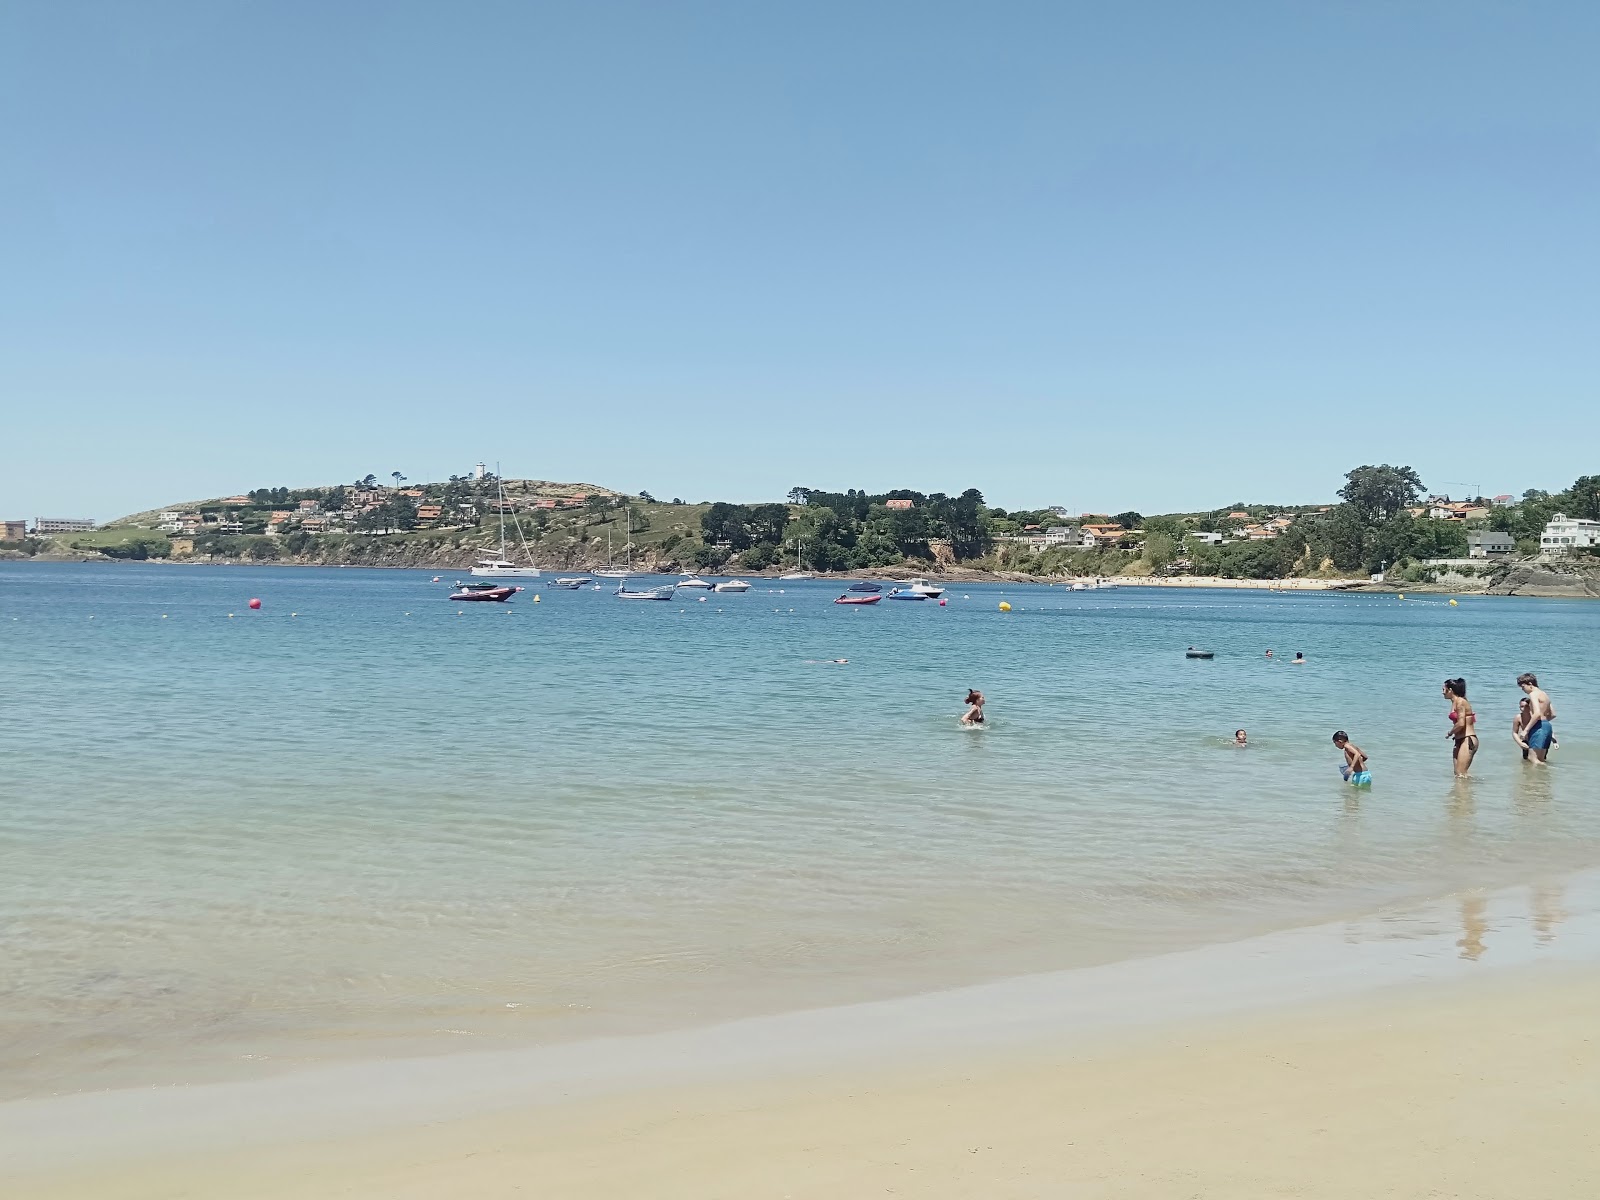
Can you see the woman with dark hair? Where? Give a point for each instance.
(974, 703)
(1463, 725)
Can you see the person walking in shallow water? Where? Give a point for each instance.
(1463, 726)
(1539, 733)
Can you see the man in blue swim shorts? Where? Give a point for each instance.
(1540, 733)
(1354, 768)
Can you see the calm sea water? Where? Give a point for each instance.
(367, 820)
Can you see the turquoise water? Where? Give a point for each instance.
(368, 821)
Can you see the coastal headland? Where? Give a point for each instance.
(1382, 533)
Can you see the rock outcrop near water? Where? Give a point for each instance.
(1553, 579)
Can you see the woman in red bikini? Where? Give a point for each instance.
(1463, 725)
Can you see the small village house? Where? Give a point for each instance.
(15, 531)
(1489, 544)
(902, 504)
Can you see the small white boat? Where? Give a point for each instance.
(798, 575)
(922, 587)
(612, 574)
(659, 593)
(732, 585)
(571, 582)
(694, 581)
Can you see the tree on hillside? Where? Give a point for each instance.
(1585, 493)
(1378, 493)
(799, 495)
(1129, 519)
(397, 477)
(596, 505)
(724, 522)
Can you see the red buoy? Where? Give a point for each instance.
(254, 603)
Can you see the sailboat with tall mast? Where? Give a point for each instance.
(503, 567)
(800, 571)
(611, 572)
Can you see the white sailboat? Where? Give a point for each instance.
(503, 567)
(799, 552)
(610, 572)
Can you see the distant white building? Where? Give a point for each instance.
(479, 471)
(1063, 535)
(1565, 533)
(1210, 539)
(63, 525)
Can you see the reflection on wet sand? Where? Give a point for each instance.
(1473, 927)
(1548, 912)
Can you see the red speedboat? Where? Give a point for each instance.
(858, 599)
(483, 591)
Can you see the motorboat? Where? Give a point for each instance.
(732, 585)
(694, 581)
(483, 591)
(923, 588)
(793, 575)
(902, 594)
(860, 599)
(502, 568)
(571, 582)
(612, 574)
(659, 593)
(866, 587)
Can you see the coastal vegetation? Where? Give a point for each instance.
(1382, 520)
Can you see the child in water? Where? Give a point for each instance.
(974, 703)
(1354, 768)
(1240, 738)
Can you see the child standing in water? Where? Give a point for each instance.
(1354, 768)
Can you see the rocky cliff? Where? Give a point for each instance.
(1578, 580)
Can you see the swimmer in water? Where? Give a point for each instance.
(1354, 768)
(1299, 660)
(1540, 734)
(1239, 738)
(1269, 653)
(974, 703)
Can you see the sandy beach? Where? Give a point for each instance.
(1478, 1088)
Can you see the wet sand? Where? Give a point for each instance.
(1483, 1087)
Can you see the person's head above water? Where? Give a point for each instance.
(1456, 687)
(1340, 738)
(1527, 680)
(1239, 736)
(1298, 657)
(1269, 653)
(973, 696)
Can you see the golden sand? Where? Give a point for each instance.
(1465, 1090)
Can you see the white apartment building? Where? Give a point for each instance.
(1565, 533)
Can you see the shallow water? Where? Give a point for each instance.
(388, 823)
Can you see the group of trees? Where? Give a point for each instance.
(835, 531)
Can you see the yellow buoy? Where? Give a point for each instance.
(1402, 595)
(536, 597)
(1005, 606)
(1452, 604)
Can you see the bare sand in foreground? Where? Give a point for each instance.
(1477, 1089)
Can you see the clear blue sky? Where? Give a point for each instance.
(1147, 255)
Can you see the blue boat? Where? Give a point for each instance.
(866, 587)
(897, 594)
